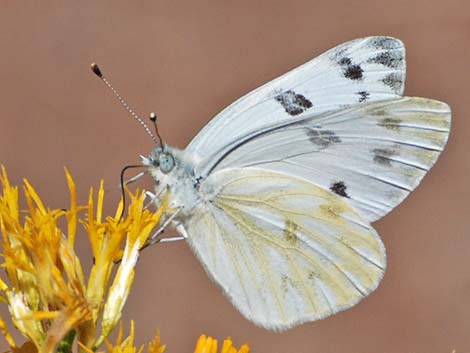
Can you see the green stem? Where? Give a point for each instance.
(65, 346)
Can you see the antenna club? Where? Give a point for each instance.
(96, 70)
(153, 119)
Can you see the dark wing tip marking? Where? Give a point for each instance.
(390, 59)
(385, 43)
(293, 103)
(339, 188)
(350, 70)
(394, 81)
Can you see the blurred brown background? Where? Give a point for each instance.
(187, 60)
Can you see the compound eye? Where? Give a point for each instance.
(166, 162)
(154, 157)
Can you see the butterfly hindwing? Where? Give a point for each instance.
(360, 71)
(284, 250)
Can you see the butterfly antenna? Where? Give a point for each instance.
(153, 119)
(96, 70)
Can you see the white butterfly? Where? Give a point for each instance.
(276, 194)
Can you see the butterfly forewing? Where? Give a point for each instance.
(356, 72)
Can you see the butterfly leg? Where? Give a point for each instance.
(169, 239)
(181, 230)
(150, 195)
(135, 178)
(154, 238)
(152, 198)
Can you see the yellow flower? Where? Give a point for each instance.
(127, 345)
(46, 292)
(204, 345)
(210, 345)
(48, 297)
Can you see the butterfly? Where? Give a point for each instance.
(277, 193)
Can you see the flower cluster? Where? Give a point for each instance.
(50, 300)
(210, 345)
(48, 297)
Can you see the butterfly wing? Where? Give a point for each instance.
(359, 71)
(284, 250)
(372, 155)
(293, 173)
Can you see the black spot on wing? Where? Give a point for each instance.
(339, 188)
(388, 58)
(322, 138)
(384, 43)
(293, 103)
(363, 96)
(383, 156)
(350, 70)
(353, 72)
(394, 81)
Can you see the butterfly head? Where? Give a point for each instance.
(162, 159)
(173, 175)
